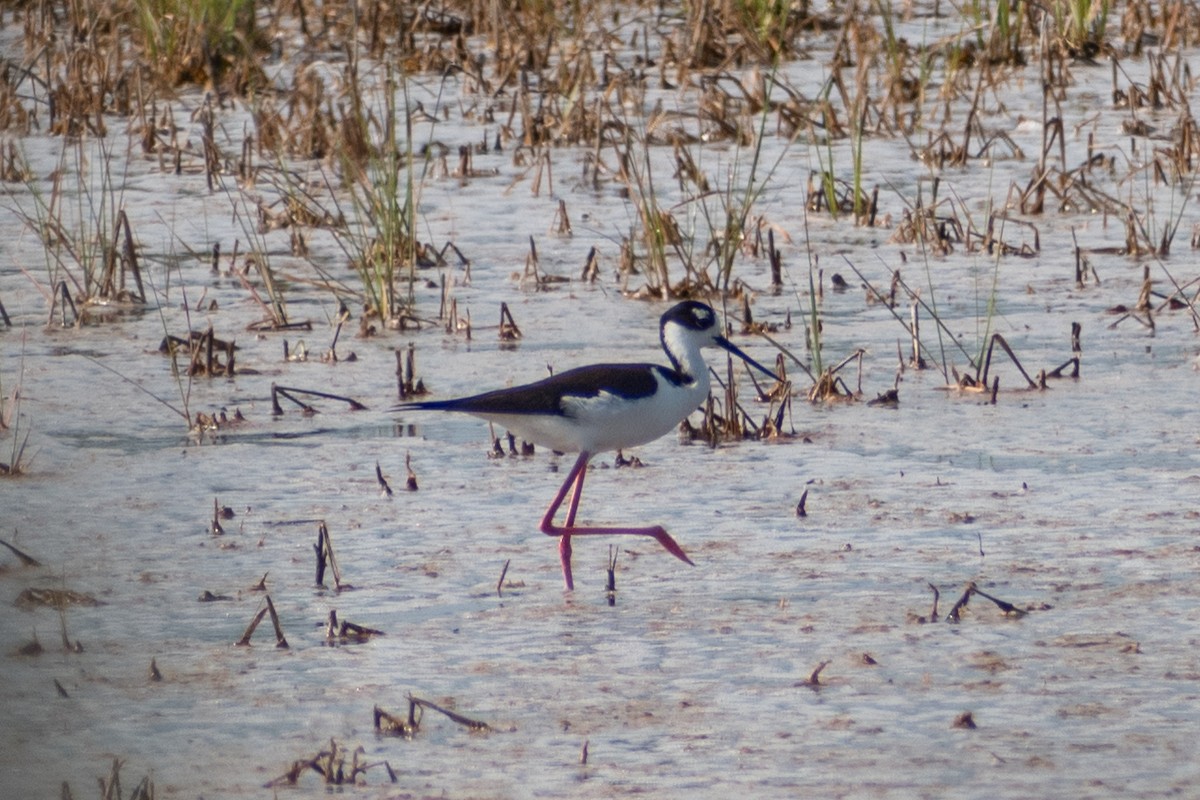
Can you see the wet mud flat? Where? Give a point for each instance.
(955, 553)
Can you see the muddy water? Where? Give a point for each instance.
(1072, 503)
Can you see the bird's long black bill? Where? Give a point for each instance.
(733, 348)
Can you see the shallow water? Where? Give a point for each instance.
(1071, 502)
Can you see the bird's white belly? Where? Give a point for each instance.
(604, 422)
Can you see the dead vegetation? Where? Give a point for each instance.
(110, 786)
(335, 765)
(339, 767)
(267, 607)
(408, 727)
(1007, 609)
(11, 424)
(342, 150)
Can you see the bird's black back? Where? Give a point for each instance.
(632, 381)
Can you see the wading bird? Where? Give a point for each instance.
(601, 407)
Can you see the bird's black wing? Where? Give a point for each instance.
(545, 396)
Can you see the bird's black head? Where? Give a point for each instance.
(687, 327)
(692, 315)
(690, 325)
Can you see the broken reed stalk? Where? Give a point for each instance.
(467, 722)
(987, 362)
(245, 640)
(1074, 361)
(393, 725)
(407, 384)
(965, 720)
(268, 608)
(290, 392)
(280, 639)
(776, 261)
(410, 478)
(827, 387)
(331, 766)
(204, 351)
(561, 225)
(971, 589)
(959, 605)
(324, 550)
(110, 789)
(509, 331)
(322, 555)
(531, 263)
(25, 559)
(1003, 605)
(773, 426)
(813, 681)
(62, 629)
(916, 361)
(610, 585)
(61, 299)
(337, 333)
(384, 487)
(455, 323)
(591, 268)
(112, 280)
(503, 572)
(215, 527)
(345, 631)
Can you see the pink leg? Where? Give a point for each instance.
(574, 481)
(564, 541)
(576, 494)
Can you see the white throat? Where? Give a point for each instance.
(683, 347)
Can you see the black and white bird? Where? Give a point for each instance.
(600, 407)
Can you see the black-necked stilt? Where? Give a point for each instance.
(601, 407)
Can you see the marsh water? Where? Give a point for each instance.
(1073, 503)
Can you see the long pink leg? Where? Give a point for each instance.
(574, 481)
(576, 494)
(564, 541)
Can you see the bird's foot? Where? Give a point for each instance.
(564, 534)
(660, 535)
